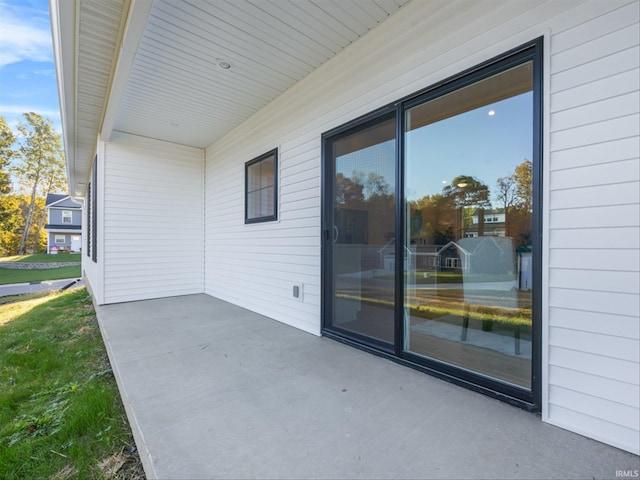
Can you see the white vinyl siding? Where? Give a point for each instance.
(256, 265)
(590, 317)
(594, 219)
(153, 219)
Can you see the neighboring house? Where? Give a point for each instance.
(64, 223)
(220, 147)
(493, 223)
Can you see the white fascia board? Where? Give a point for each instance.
(132, 34)
(64, 18)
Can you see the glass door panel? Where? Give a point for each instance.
(361, 233)
(468, 220)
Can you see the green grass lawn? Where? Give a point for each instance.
(44, 258)
(8, 275)
(60, 412)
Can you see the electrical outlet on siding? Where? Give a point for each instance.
(297, 291)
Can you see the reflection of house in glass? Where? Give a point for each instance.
(493, 223)
(439, 258)
(478, 255)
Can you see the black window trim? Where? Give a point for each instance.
(89, 217)
(92, 214)
(268, 218)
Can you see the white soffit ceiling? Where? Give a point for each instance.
(99, 23)
(177, 89)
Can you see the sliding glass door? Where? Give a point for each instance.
(468, 197)
(431, 228)
(360, 231)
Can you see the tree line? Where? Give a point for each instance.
(447, 216)
(31, 166)
(438, 218)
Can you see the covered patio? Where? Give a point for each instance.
(216, 391)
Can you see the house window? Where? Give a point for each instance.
(92, 216)
(88, 221)
(453, 263)
(60, 239)
(66, 216)
(261, 188)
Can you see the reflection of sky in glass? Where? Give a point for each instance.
(473, 143)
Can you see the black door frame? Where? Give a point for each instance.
(523, 398)
(370, 119)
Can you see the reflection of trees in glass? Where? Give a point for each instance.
(524, 185)
(514, 193)
(468, 191)
(347, 191)
(375, 185)
(373, 197)
(442, 218)
(433, 218)
(357, 189)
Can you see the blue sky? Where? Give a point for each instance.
(486, 143)
(27, 71)
(479, 144)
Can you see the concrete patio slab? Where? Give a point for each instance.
(215, 391)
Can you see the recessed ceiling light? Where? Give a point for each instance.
(492, 113)
(224, 65)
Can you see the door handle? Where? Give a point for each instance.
(335, 234)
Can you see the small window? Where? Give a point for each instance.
(261, 188)
(452, 262)
(67, 215)
(60, 239)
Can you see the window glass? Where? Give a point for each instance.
(66, 216)
(468, 199)
(362, 230)
(261, 188)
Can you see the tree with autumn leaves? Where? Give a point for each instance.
(444, 217)
(31, 166)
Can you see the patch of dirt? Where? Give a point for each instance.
(86, 330)
(65, 473)
(124, 466)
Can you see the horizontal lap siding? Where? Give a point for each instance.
(594, 220)
(592, 182)
(153, 219)
(256, 266)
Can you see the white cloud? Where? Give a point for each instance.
(24, 35)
